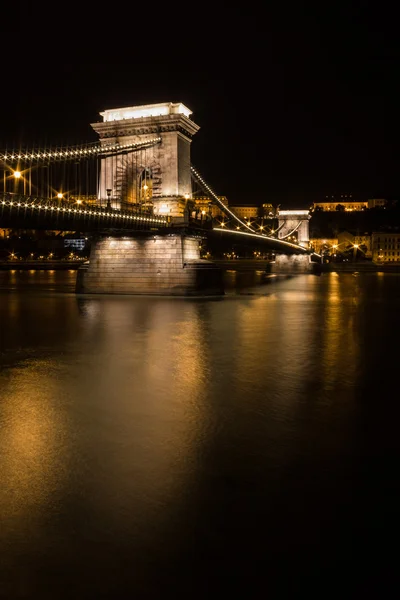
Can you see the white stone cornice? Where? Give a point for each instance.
(145, 125)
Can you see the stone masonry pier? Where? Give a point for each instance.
(294, 264)
(152, 264)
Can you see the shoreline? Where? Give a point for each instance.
(34, 265)
(243, 264)
(359, 267)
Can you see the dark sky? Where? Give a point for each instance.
(294, 102)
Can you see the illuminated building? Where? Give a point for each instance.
(268, 210)
(350, 239)
(385, 246)
(246, 211)
(377, 202)
(324, 245)
(344, 202)
(206, 205)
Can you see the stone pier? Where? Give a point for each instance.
(149, 265)
(294, 264)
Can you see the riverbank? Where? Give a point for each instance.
(359, 267)
(225, 265)
(339, 267)
(40, 265)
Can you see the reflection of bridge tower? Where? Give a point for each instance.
(159, 174)
(294, 226)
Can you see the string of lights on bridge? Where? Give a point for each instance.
(99, 150)
(45, 205)
(73, 152)
(251, 233)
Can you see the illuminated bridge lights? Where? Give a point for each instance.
(73, 151)
(243, 223)
(46, 205)
(265, 237)
(223, 206)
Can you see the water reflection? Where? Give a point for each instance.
(34, 440)
(139, 433)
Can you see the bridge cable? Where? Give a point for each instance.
(292, 232)
(208, 190)
(73, 152)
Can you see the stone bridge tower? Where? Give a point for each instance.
(158, 176)
(296, 221)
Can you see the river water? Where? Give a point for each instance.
(243, 446)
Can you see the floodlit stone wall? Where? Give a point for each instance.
(293, 264)
(155, 265)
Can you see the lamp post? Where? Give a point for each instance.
(355, 252)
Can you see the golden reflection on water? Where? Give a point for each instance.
(133, 392)
(332, 350)
(34, 455)
(340, 348)
(252, 323)
(150, 366)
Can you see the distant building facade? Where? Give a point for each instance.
(246, 211)
(341, 202)
(349, 239)
(267, 210)
(324, 245)
(208, 206)
(377, 202)
(385, 246)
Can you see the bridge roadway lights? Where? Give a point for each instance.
(166, 264)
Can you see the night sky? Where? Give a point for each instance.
(293, 103)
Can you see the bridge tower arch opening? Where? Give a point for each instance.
(159, 175)
(294, 226)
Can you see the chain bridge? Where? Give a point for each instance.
(148, 205)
